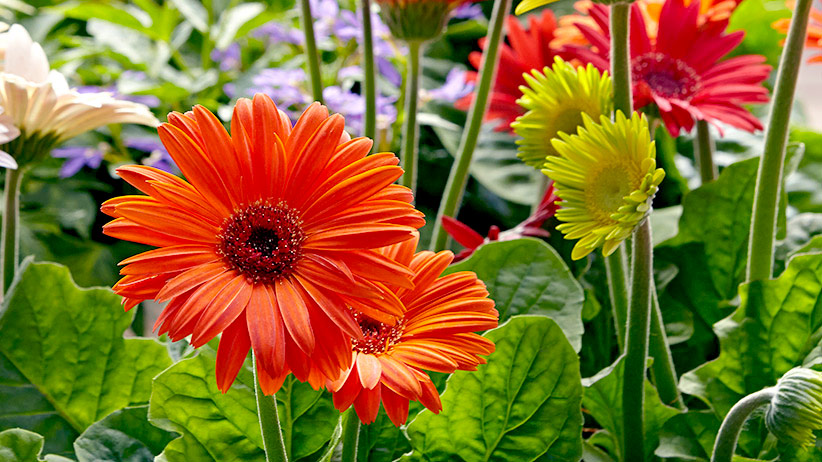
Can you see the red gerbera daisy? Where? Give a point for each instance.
(680, 71)
(529, 49)
(434, 334)
(269, 241)
(814, 39)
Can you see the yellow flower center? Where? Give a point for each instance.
(609, 185)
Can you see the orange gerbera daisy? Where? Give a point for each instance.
(269, 241)
(814, 39)
(434, 334)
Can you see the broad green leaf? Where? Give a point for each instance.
(775, 328)
(689, 436)
(381, 441)
(240, 18)
(528, 276)
(603, 400)
(122, 436)
(755, 18)
(113, 13)
(495, 164)
(524, 404)
(18, 445)
(64, 348)
(224, 427)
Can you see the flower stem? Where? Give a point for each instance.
(769, 177)
(369, 80)
(410, 129)
(618, 291)
(458, 178)
(620, 58)
(728, 435)
(11, 232)
(312, 56)
(269, 423)
(350, 436)
(705, 153)
(662, 369)
(636, 344)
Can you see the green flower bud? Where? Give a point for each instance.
(795, 410)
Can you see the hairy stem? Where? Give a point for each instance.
(350, 436)
(769, 177)
(704, 153)
(458, 178)
(728, 435)
(11, 231)
(369, 80)
(410, 129)
(269, 423)
(312, 55)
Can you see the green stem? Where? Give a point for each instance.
(618, 291)
(458, 178)
(728, 435)
(269, 423)
(662, 369)
(369, 80)
(410, 129)
(769, 178)
(11, 232)
(705, 153)
(312, 56)
(636, 344)
(350, 435)
(620, 58)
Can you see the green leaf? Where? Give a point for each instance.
(238, 20)
(603, 400)
(775, 328)
(689, 436)
(755, 18)
(194, 12)
(524, 404)
(528, 276)
(64, 347)
(18, 445)
(381, 441)
(224, 427)
(122, 436)
(495, 164)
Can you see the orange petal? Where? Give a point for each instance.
(266, 329)
(397, 377)
(222, 311)
(231, 353)
(295, 315)
(190, 279)
(369, 369)
(395, 406)
(361, 236)
(367, 405)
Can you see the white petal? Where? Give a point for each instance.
(25, 57)
(7, 161)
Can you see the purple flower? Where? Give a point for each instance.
(158, 156)
(349, 71)
(78, 157)
(352, 107)
(274, 32)
(454, 88)
(229, 59)
(284, 86)
(388, 71)
(468, 11)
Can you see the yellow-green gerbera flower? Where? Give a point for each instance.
(606, 176)
(555, 100)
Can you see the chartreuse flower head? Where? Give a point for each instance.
(556, 99)
(606, 176)
(796, 407)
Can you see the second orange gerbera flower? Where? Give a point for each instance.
(269, 241)
(435, 334)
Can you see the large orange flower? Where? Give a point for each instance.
(389, 363)
(269, 241)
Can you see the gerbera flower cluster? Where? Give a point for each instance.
(293, 242)
(677, 63)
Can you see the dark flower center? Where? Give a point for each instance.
(668, 77)
(376, 336)
(262, 241)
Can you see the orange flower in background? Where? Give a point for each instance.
(269, 241)
(526, 49)
(814, 39)
(434, 334)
